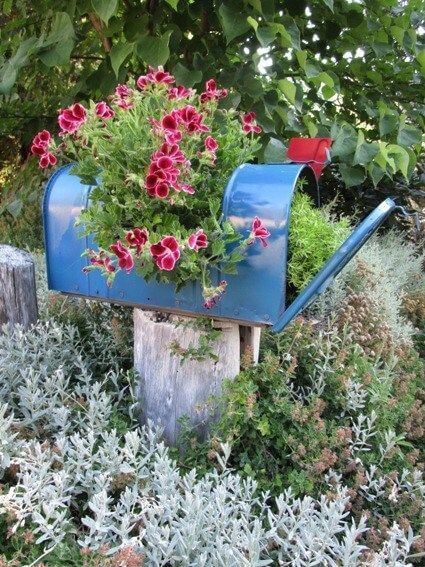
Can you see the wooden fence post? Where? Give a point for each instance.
(18, 300)
(169, 388)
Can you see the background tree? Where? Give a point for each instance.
(350, 69)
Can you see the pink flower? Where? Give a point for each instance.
(123, 97)
(47, 159)
(41, 142)
(185, 187)
(171, 150)
(125, 259)
(101, 260)
(213, 295)
(259, 231)
(166, 253)
(72, 118)
(158, 76)
(180, 92)
(211, 144)
(211, 92)
(197, 240)
(103, 110)
(249, 124)
(190, 119)
(137, 238)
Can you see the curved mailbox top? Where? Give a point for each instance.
(255, 296)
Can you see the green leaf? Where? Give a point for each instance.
(408, 135)
(62, 29)
(265, 35)
(345, 142)
(352, 175)
(8, 75)
(401, 158)
(154, 50)
(365, 152)
(233, 21)
(104, 8)
(388, 122)
(275, 151)
(376, 172)
(57, 55)
(118, 55)
(289, 89)
(185, 76)
(173, 4)
(302, 58)
(329, 4)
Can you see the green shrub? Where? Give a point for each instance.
(313, 238)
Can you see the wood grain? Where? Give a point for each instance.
(18, 300)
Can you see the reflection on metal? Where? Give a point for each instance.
(255, 296)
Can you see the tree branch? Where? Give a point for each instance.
(98, 26)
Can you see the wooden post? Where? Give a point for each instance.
(18, 300)
(169, 388)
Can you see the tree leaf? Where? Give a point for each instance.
(233, 21)
(289, 89)
(104, 8)
(14, 208)
(57, 55)
(409, 135)
(401, 158)
(62, 29)
(8, 75)
(275, 151)
(118, 55)
(352, 175)
(185, 76)
(173, 4)
(154, 50)
(329, 4)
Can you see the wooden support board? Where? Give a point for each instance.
(18, 299)
(168, 388)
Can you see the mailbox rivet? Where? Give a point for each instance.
(266, 317)
(77, 287)
(236, 311)
(177, 301)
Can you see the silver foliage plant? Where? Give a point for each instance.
(394, 268)
(57, 431)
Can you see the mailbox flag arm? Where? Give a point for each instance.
(336, 263)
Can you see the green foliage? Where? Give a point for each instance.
(353, 71)
(313, 238)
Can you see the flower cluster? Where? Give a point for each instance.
(163, 154)
(40, 147)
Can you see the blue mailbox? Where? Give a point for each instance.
(255, 296)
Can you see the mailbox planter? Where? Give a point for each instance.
(254, 297)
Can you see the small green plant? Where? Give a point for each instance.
(313, 238)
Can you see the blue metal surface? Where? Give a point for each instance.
(255, 296)
(336, 263)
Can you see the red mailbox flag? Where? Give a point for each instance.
(314, 151)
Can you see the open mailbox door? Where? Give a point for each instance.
(336, 263)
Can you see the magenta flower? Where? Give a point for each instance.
(249, 124)
(101, 260)
(123, 97)
(211, 92)
(125, 259)
(72, 118)
(41, 142)
(171, 150)
(165, 253)
(158, 76)
(259, 231)
(190, 119)
(197, 240)
(47, 159)
(211, 144)
(102, 110)
(137, 238)
(180, 92)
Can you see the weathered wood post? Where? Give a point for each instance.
(169, 389)
(18, 299)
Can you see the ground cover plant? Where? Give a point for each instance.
(330, 425)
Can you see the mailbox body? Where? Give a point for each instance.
(255, 296)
